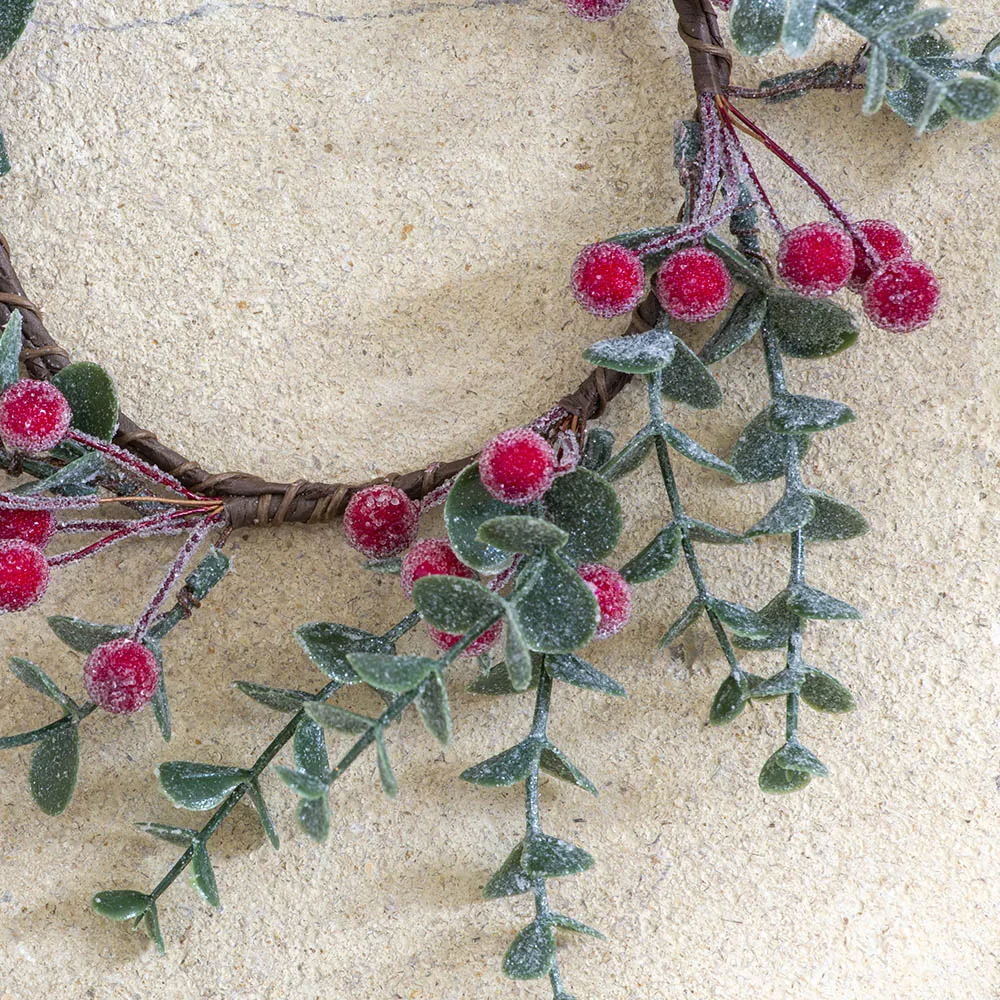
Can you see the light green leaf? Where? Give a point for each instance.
(180, 835)
(506, 768)
(710, 534)
(468, 506)
(973, 98)
(328, 645)
(263, 813)
(450, 603)
(812, 603)
(38, 680)
(521, 534)
(790, 414)
(432, 705)
(335, 717)
(789, 514)
(313, 816)
(756, 25)
(571, 669)
(800, 26)
(307, 786)
(876, 81)
(552, 857)
(84, 636)
(393, 673)
(568, 923)
(637, 354)
(518, 661)
(690, 449)
(280, 699)
(389, 784)
(686, 619)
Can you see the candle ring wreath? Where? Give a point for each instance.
(521, 580)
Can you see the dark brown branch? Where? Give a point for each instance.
(710, 61)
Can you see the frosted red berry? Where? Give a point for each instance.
(693, 285)
(816, 259)
(889, 243)
(431, 557)
(35, 526)
(517, 466)
(121, 676)
(614, 597)
(445, 640)
(34, 416)
(901, 296)
(596, 10)
(380, 521)
(607, 279)
(24, 574)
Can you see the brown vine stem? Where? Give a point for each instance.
(252, 500)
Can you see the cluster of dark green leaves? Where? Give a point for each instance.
(910, 65)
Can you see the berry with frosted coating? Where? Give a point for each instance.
(121, 676)
(901, 296)
(693, 285)
(614, 597)
(431, 557)
(35, 526)
(445, 640)
(816, 259)
(596, 10)
(888, 242)
(380, 521)
(34, 416)
(24, 574)
(607, 279)
(517, 466)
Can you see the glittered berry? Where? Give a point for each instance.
(35, 526)
(614, 597)
(380, 521)
(445, 640)
(816, 259)
(121, 676)
(901, 296)
(889, 244)
(34, 416)
(607, 280)
(24, 574)
(517, 466)
(431, 557)
(596, 10)
(693, 285)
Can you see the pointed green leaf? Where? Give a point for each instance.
(775, 778)
(552, 857)
(497, 680)
(555, 762)
(92, 397)
(598, 447)
(739, 266)
(740, 327)
(826, 693)
(160, 702)
(729, 700)
(631, 456)
(710, 534)
(778, 619)
(760, 454)
(517, 658)
(120, 904)
(832, 520)
(263, 813)
(686, 619)
(876, 81)
(932, 105)
(179, 835)
(919, 23)
(569, 924)
(193, 785)
(84, 636)
(309, 748)
(657, 559)
(280, 699)
(740, 619)
(335, 717)
(756, 25)
(521, 534)
(432, 705)
(506, 768)
(38, 680)
(468, 506)
(10, 350)
(812, 603)
(585, 506)
(810, 328)
(385, 772)
(531, 953)
(510, 879)
(393, 673)
(313, 816)
(55, 763)
(207, 574)
(450, 603)
(559, 613)
(637, 354)
(799, 27)
(690, 449)
(307, 786)
(151, 924)
(909, 100)
(781, 684)
(72, 479)
(686, 380)
(571, 669)
(789, 514)
(202, 875)
(328, 645)
(793, 756)
(806, 414)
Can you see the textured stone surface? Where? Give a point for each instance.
(360, 220)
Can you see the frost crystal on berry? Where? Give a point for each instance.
(596, 10)
(121, 676)
(607, 279)
(34, 416)
(693, 285)
(380, 521)
(901, 296)
(35, 526)
(614, 597)
(889, 244)
(24, 574)
(445, 640)
(431, 557)
(517, 466)
(816, 259)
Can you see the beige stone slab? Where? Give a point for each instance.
(333, 241)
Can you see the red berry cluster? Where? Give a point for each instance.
(34, 417)
(121, 676)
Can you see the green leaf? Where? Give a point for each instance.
(571, 669)
(742, 324)
(710, 534)
(393, 673)
(806, 414)
(686, 380)
(598, 447)
(779, 621)
(193, 785)
(812, 603)
(740, 267)
(202, 875)
(521, 534)
(799, 27)
(14, 18)
(4, 158)
(313, 816)
(657, 559)
(389, 784)
(637, 354)
(309, 748)
(552, 857)
(92, 397)
(973, 98)
(932, 105)
(789, 514)
(920, 23)
(280, 699)
(328, 646)
(555, 762)
(832, 520)
(263, 814)
(559, 612)
(518, 661)
(151, 924)
(506, 768)
(910, 100)
(690, 449)
(180, 835)
(452, 604)
(307, 786)
(876, 81)
(686, 619)
(531, 953)
(756, 25)
(497, 680)
(729, 700)
(825, 693)
(740, 619)
(810, 328)
(569, 924)
(510, 879)
(207, 574)
(160, 702)
(775, 778)
(760, 454)
(879, 14)
(84, 636)
(432, 705)
(335, 717)
(783, 683)
(793, 756)
(10, 350)
(71, 479)
(120, 904)
(38, 680)
(585, 506)
(631, 456)
(468, 506)
(52, 773)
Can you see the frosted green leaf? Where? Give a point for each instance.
(569, 924)
(531, 953)
(313, 817)
(825, 693)
(740, 267)
(832, 520)
(559, 612)
(151, 924)
(876, 81)
(432, 706)
(778, 619)
(686, 619)
(552, 857)
(180, 835)
(810, 328)
(202, 875)
(657, 559)
(783, 683)
(10, 350)
(467, 507)
(519, 663)
(309, 748)
(92, 397)
(84, 636)
(160, 702)
(585, 506)
(740, 327)
(710, 534)
(328, 645)
(793, 756)
(120, 904)
(598, 448)
(335, 717)
(207, 573)
(571, 669)
(72, 479)
(389, 784)
(280, 699)
(756, 25)
(690, 449)
(920, 23)
(451, 603)
(307, 786)
(263, 813)
(877, 14)
(790, 414)
(631, 456)
(812, 603)
(14, 18)
(553, 761)
(38, 680)
(686, 380)
(909, 100)
(637, 354)
(521, 534)
(497, 681)
(740, 620)
(507, 768)
(510, 879)
(775, 778)
(973, 98)
(800, 26)
(730, 699)
(192, 785)
(760, 454)
(52, 773)
(789, 514)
